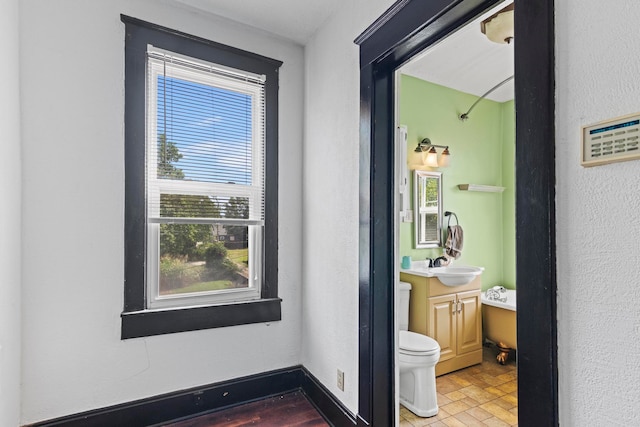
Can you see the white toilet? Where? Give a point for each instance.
(418, 357)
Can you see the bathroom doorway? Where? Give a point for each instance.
(455, 117)
(402, 32)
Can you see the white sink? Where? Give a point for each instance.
(456, 276)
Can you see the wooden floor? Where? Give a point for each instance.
(292, 409)
(482, 395)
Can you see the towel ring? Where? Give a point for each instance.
(450, 214)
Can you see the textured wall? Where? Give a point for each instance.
(10, 209)
(73, 107)
(330, 199)
(598, 217)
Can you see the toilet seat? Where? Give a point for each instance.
(416, 344)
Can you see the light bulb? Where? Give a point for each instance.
(445, 158)
(432, 158)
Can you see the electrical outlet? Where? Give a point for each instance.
(408, 216)
(340, 380)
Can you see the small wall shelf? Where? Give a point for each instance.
(483, 188)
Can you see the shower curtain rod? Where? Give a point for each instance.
(465, 116)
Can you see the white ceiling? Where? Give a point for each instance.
(295, 20)
(466, 61)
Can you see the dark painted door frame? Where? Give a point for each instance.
(403, 31)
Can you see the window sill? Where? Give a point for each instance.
(146, 323)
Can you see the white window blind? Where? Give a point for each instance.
(205, 142)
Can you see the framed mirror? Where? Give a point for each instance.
(427, 207)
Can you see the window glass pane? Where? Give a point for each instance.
(198, 258)
(430, 226)
(190, 206)
(205, 133)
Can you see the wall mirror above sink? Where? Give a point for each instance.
(427, 206)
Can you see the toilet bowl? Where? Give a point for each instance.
(418, 355)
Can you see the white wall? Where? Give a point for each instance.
(10, 209)
(598, 217)
(330, 197)
(72, 54)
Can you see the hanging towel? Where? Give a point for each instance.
(453, 246)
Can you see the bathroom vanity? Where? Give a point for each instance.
(451, 315)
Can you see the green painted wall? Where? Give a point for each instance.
(509, 195)
(482, 152)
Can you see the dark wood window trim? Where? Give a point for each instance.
(404, 30)
(136, 320)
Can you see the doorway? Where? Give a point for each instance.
(455, 118)
(404, 30)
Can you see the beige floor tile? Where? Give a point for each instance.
(495, 391)
(471, 402)
(453, 422)
(501, 413)
(511, 399)
(445, 385)
(511, 376)
(455, 407)
(495, 422)
(469, 420)
(456, 395)
(509, 387)
(460, 380)
(403, 411)
(442, 399)
(490, 379)
(405, 423)
(478, 394)
(479, 413)
(504, 404)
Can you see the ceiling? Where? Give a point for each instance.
(295, 20)
(466, 60)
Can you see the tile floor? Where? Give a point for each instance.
(481, 395)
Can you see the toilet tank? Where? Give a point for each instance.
(404, 291)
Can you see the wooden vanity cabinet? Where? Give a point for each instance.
(450, 315)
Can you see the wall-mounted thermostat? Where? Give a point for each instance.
(615, 140)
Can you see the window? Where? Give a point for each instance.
(201, 183)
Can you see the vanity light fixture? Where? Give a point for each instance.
(431, 156)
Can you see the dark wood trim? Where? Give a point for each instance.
(535, 214)
(387, 44)
(136, 321)
(213, 397)
(225, 54)
(158, 322)
(325, 402)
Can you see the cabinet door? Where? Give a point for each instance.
(442, 324)
(469, 321)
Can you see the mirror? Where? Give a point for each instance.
(427, 206)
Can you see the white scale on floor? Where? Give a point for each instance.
(614, 140)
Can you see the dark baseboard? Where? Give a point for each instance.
(198, 400)
(326, 403)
